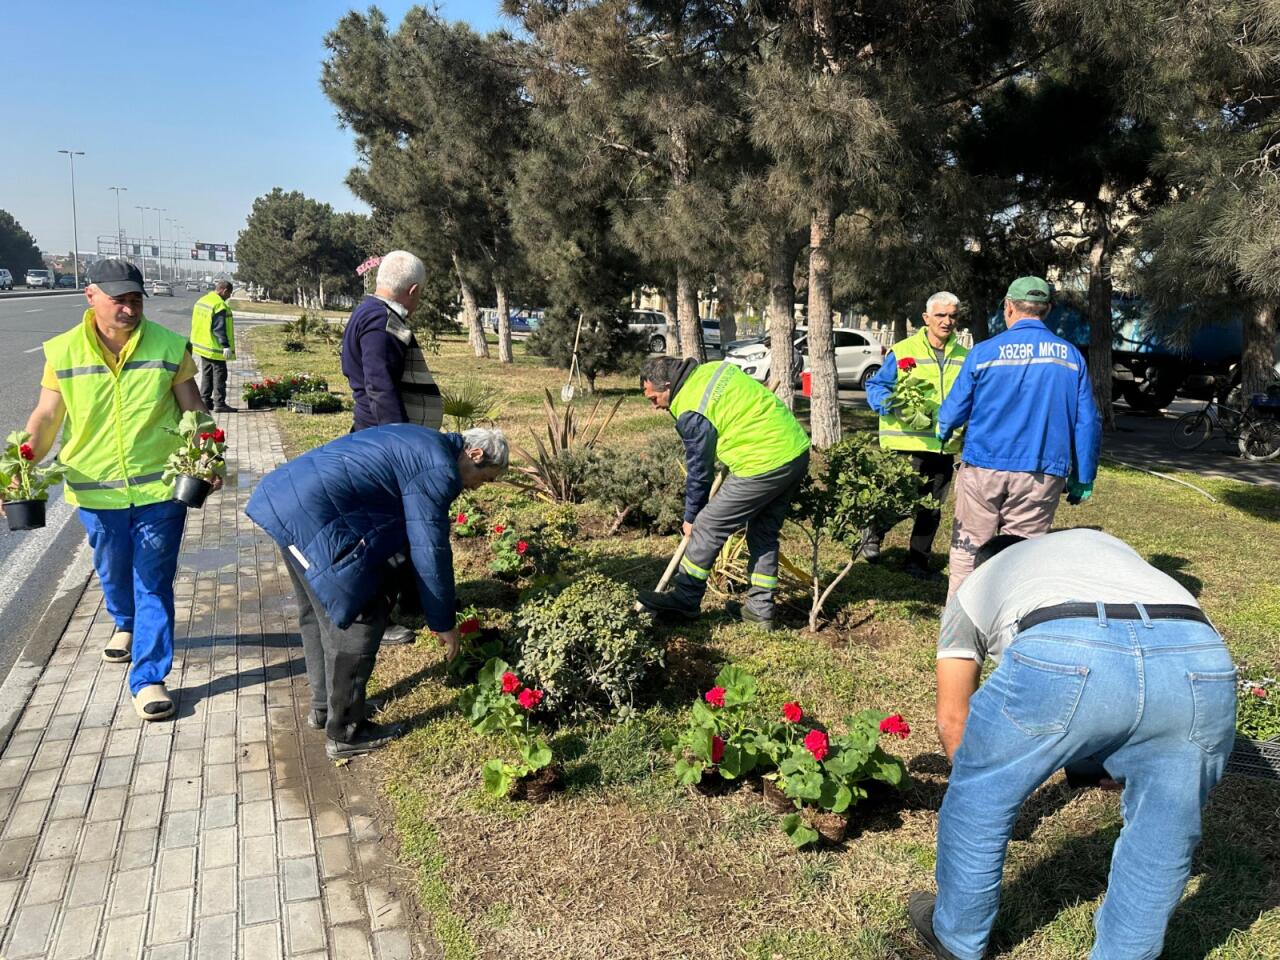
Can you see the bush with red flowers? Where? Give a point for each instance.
(720, 737)
(469, 519)
(477, 645)
(21, 478)
(501, 703)
(1258, 707)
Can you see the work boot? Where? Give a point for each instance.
(223, 408)
(869, 549)
(395, 635)
(740, 612)
(318, 717)
(917, 568)
(920, 910)
(667, 604)
(368, 737)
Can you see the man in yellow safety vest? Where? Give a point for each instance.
(213, 341)
(932, 355)
(117, 380)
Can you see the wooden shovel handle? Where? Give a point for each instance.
(680, 548)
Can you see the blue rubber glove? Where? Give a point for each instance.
(937, 432)
(1078, 492)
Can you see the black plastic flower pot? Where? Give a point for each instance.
(191, 490)
(24, 514)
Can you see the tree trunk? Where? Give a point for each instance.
(725, 314)
(1101, 330)
(899, 328)
(672, 338)
(687, 313)
(1255, 357)
(504, 325)
(471, 312)
(781, 316)
(824, 405)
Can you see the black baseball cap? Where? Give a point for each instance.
(115, 278)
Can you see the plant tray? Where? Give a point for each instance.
(260, 403)
(310, 408)
(1255, 758)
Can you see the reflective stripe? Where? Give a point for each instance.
(907, 433)
(81, 371)
(760, 580)
(116, 484)
(1027, 362)
(711, 385)
(693, 570)
(150, 365)
(297, 555)
(201, 346)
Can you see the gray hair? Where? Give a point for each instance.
(223, 285)
(660, 371)
(944, 297)
(492, 443)
(400, 270)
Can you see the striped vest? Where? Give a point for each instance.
(418, 390)
(898, 435)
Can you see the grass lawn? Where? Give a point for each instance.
(625, 864)
(285, 309)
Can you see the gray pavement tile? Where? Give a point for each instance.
(78, 933)
(50, 755)
(218, 847)
(301, 879)
(344, 902)
(257, 819)
(186, 764)
(98, 842)
(138, 848)
(385, 908)
(130, 892)
(89, 883)
(304, 927)
(171, 916)
(180, 829)
(168, 951)
(216, 937)
(59, 839)
(295, 839)
(89, 741)
(9, 890)
(184, 794)
(220, 811)
(350, 943)
(46, 881)
(177, 869)
(143, 810)
(23, 742)
(255, 785)
(13, 770)
(257, 857)
(40, 784)
(7, 799)
(81, 768)
(150, 777)
(30, 931)
(261, 942)
(393, 945)
(71, 801)
(116, 771)
(259, 900)
(62, 728)
(335, 857)
(217, 891)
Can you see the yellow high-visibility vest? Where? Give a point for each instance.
(202, 341)
(897, 435)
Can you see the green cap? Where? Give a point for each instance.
(1030, 289)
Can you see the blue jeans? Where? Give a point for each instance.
(1154, 702)
(135, 552)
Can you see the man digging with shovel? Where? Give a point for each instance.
(722, 414)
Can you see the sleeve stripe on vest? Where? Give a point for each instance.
(150, 365)
(81, 371)
(114, 484)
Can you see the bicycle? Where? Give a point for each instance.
(1256, 435)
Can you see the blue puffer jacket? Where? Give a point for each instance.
(1026, 398)
(343, 509)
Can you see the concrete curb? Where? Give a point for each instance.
(22, 679)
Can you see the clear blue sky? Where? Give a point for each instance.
(195, 107)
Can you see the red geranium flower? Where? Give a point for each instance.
(907, 363)
(470, 625)
(791, 712)
(717, 749)
(529, 698)
(715, 696)
(522, 546)
(1259, 691)
(498, 528)
(817, 744)
(26, 452)
(462, 518)
(206, 436)
(510, 682)
(219, 436)
(895, 726)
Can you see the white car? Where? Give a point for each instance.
(858, 357)
(653, 323)
(40, 278)
(161, 288)
(6, 279)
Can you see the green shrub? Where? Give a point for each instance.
(320, 401)
(586, 646)
(645, 491)
(1257, 712)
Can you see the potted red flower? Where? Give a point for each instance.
(24, 483)
(194, 465)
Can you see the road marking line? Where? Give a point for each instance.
(34, 349)
(36, 310)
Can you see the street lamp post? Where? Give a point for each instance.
(159, 242)
(119, 228)
(142, 216)
(75, 227)
(173, 258)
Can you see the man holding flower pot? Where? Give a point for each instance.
(114, 384)
(906, 392)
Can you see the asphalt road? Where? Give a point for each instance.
(32, 562)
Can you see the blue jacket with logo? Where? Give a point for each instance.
(1026, 398)
(344, 509)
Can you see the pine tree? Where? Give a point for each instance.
(18, 250)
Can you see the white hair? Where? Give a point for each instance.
(492, 443)
(400, 270)
(943, 297)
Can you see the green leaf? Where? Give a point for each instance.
(688, 773)
(736, 761)
(739, 686)
(801, 834)
(536, 755)
(497, 778)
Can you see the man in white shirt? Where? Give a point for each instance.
(1103, 661)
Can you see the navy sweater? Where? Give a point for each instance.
(373, 363)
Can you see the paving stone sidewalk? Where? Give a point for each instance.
(223, 833)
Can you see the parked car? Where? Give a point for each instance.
(858, 357)
(40, 278)
(653, 324)
(6, 279)
(522, 321)
(68, 282)
(161, 288)
(193, 286)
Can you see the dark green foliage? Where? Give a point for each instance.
(18, 250)
(606, 344)
(645, 491)
(320, 401)
(586, 647)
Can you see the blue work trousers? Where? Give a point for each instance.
(1154, 702)
(135, 552)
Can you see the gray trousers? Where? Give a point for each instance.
(990, 502)
(760, 504)
(339, 662)
(211, 377)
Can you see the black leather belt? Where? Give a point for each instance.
(1114, 611)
